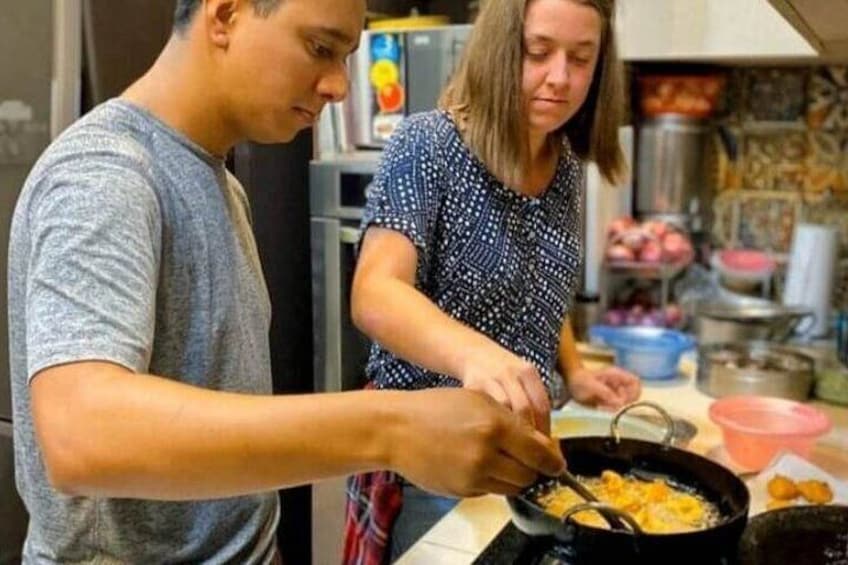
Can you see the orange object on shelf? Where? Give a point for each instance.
(689, 95)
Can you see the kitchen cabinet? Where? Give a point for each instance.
(823, 24)
(709, 30)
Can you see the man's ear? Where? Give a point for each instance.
(219, 18)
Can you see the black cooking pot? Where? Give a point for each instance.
(589, 456)
(812, 535)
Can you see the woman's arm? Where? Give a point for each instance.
(387, 307)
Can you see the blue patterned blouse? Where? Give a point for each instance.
(500, 262)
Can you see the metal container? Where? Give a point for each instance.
(754, 367)
(730, 323)
(671, 179)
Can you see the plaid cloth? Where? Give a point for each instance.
(374, 501)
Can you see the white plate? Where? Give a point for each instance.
(798, 469)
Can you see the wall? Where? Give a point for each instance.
(791, 128)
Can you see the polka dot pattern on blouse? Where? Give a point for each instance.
(500, 262)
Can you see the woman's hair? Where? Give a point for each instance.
(486, 92)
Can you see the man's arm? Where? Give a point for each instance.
(107, 432)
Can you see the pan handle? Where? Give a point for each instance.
(669, 423)
(603, 509)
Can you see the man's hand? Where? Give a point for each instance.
(608, 388)
(462, 443)
(512, 381)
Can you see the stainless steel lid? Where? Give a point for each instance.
(757, 355)
(726, 311)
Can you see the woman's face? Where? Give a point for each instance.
(561, 43)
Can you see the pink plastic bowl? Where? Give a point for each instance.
(747, 261)
(756, 428)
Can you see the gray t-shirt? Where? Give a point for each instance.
(131, 244)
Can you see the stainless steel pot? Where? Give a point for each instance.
(731, 323)
(754, 367)
(671, 179)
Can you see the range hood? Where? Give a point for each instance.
(713, 30)
(823, 23)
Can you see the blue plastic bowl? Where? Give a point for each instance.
(651, 353)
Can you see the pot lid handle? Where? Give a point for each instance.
(669, 423)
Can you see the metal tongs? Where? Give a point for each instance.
(614, 517)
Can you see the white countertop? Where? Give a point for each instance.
(460, 536)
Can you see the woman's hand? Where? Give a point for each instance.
(512, 381)
(608, 388)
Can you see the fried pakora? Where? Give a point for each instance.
(784, 492)
(782, 488)
(817, 492)
(657, 506)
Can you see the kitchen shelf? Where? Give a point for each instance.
(663, 273)
(656, 271)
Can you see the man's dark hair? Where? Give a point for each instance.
(186, 8)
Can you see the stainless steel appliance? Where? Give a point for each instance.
(337, 196)
(397, 73)
(39, 96)
(671, 172)
(754, 367)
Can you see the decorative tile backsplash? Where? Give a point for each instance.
(827, 103)
(775, 95)
(791, 127)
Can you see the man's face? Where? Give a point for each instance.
(280, 70)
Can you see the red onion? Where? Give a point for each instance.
(652, 252)
(618, 252)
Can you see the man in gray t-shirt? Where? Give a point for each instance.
(145, 431)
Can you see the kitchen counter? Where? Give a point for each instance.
(460, 536)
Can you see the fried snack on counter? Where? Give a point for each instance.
(782, 488)
(817, 492)
(785, 492)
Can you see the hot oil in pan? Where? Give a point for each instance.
(658, 506)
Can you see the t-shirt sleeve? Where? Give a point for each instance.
(405, 195)
(93, 265)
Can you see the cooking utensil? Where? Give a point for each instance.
(719, 322)
(574, 484)
(754, 367)
(812, 535)
(589, 456)
(577, 421)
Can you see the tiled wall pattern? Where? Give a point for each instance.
(790, 127)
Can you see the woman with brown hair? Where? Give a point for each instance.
(471, 255)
